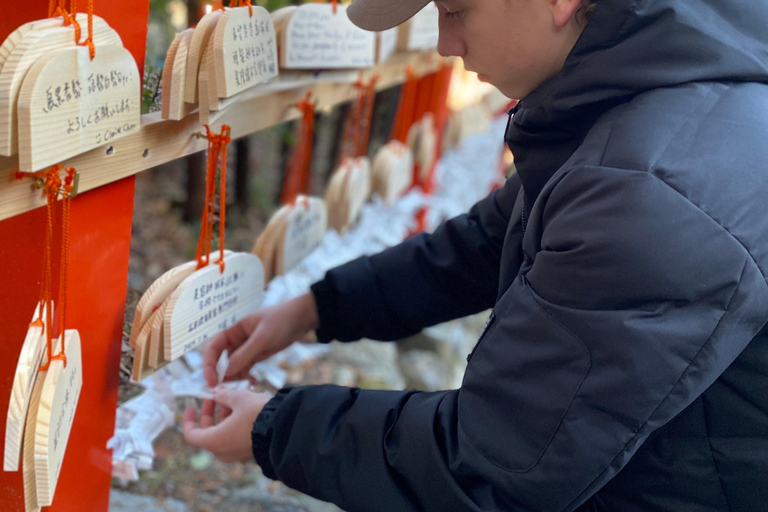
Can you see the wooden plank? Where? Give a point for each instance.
(56, 414)
(104, 105)
(23, 383)
(34, 45)
(159, 141)
(245, 50)
(209, 301)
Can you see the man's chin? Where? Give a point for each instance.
(483, 78)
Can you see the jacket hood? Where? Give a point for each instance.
(629, 47)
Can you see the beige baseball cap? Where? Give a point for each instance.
(383, 14)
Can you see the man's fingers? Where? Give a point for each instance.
(225, 397)
(241, 361)
(207, 411)
(230, 340)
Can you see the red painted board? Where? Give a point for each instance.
(100, 246)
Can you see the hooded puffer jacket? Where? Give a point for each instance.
(625, 364)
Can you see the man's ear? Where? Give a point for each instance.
(563, 11)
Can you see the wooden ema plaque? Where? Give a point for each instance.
(30, 359)
(265, 247)
(174, 78)
(316, 38)
(386, 44)
(304, 231)
(422, 139)
(421, 31)
(392, 172)
(245, 50)
(28, 471)
(43, 37)
(159, 291)
(102, 105)
(347, 191)
(141, 368)
(210, 301)
(200, 36)
(55, 415)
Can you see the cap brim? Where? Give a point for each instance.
(383, 14)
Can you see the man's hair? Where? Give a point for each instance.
(585, 11)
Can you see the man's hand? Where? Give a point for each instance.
(230, 439)
(260, 335)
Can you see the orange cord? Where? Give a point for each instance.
(405, 108)
(53, 187)
(335, 5)
(70, 18)
(367, 116)
(243, 3)
(217, 146)
(297, 176)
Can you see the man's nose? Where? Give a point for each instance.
(449, 44)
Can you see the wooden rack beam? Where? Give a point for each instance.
(159, 141)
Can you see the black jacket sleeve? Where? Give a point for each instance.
(630, 303)
(423, 281)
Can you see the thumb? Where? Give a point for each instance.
(226, 397)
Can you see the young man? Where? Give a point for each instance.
(625, 364)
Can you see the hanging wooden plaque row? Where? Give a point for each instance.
(229, 52)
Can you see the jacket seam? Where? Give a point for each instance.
(490, 458)
(674, 387)
(699, 208)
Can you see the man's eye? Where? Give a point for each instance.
(454, 14)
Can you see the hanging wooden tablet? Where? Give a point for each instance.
(265, 247)
(392, 171)
(209, 301)
(30, 359)
(245, 50)
(34, 45)
(422, 140)
(159, 291)
(17, 35)
(28, 464)
(348, 190)
(386, 44)
(174, 76)
(56, 414)
(421, 31)
(141, 368)
(202, 33)
(316, 38)
(156, 357)
(104, 105)
(208, 63)
(304, 230)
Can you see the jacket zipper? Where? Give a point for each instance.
(523, 219)
(482, 334)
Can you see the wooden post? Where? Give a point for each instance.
(98, 268)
